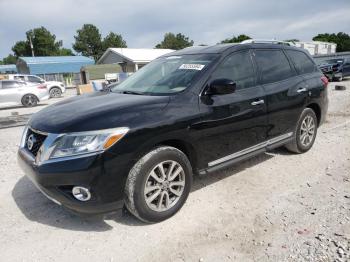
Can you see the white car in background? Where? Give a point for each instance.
(14, 92)
(56, 89)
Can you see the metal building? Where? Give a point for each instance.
(317, 47)
(8, 69)
(56, 68)
(131, 59)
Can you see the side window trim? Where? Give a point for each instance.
(295, 66)
(259, 73)
(255, 69)
(291, 63)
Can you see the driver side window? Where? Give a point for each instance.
(239, 68)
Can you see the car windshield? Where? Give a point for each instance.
(334, 61)
(167, 75)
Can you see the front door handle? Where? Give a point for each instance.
(258, 102)
(301, 90)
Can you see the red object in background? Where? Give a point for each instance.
(325, 81)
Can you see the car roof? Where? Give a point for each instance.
(221, 48)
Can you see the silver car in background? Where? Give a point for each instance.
(17, 92)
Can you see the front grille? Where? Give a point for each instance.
(34, 141)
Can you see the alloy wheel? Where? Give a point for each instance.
(164, 186)
(307, 131)
(55, 92)
(29, 100)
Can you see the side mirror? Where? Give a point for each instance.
(221, 87)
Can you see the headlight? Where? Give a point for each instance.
(71, 144)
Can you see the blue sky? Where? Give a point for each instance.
(143, 23)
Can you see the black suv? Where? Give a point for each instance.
(192, 111)
(336, 69)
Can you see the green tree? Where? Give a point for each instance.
(88, 41)
(9, 60)
(113, 40)
(65, 52)
(172, 41)
(341, 39)
(235, 39)
(44, 44)
(21, 48)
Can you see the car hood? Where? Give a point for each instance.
(99, 110)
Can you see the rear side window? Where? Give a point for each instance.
(239, 68)
(302, 62)
(9, 84)
(273, 66)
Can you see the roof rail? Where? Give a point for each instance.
(265, 41)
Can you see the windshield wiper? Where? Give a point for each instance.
(131, 92)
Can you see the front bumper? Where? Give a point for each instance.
(63, 89)
(56, 179)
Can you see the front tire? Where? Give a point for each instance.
(29, 100)
(55, 92)
(305, 132)
(158, 184)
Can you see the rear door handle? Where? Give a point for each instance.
(301, 90)
(258, 102)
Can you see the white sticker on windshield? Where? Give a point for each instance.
(192, 66)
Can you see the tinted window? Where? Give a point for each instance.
(239, 68)
(302, 62)
(34, 79)
(9, 84)
(273, 65)
(19, 78)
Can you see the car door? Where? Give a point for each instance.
(233, 124)
(285, 92)
(9, 94)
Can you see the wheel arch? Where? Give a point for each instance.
(30, 94)
(185, 147)
(55, 86)
(317, 109)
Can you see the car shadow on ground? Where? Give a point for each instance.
(37, 208)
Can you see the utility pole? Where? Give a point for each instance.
(31, 45)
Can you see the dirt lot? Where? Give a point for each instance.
(274, 207)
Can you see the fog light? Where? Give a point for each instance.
(81, 193)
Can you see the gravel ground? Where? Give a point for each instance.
(275, 207)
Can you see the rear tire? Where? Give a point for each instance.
(29, 100)
(158, 184)
(305, 132)
(55, 92)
